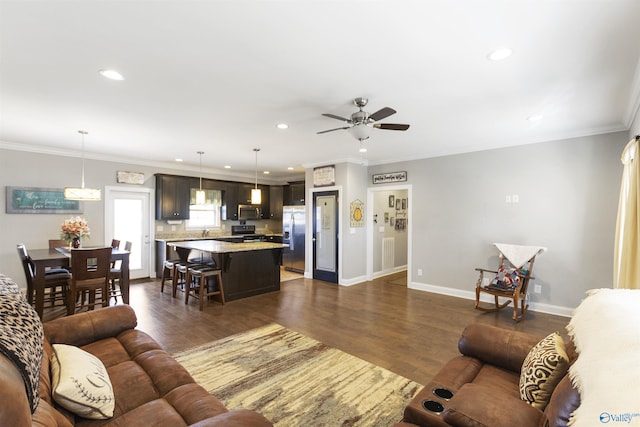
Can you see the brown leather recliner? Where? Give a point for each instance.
(150, 387)
(484, 386)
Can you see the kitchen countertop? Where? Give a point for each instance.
(215, 246)
(185, 239)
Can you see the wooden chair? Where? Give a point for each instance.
(57, 243)
(55, 280)
(509, 282)
(90, 269)
(115, 274)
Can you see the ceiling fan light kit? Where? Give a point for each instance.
(362, 122)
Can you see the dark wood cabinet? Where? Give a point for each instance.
(173, 193)
(275, 201)
(294, 194)
(172, 196)
(230, 201)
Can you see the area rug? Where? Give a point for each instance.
(294, 380)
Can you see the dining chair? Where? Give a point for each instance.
(115, 274)
(58, 243)
(55, 281)
(90, 272)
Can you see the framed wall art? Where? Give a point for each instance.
(37, 200)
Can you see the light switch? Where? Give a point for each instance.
(515, 198)
(381, 229)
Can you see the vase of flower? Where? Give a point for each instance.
(73, 230)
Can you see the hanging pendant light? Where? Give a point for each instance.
(256, 194)
(82, 193)
(200, 198)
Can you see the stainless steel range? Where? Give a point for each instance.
(248, 233)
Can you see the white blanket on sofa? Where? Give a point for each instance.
(606, 331)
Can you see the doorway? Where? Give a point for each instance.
(127, 218)
(389, 241)
(325, 236)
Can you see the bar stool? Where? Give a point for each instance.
(197, 283)
(167, 273)
(181, 275)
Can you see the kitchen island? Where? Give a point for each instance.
(248, 269)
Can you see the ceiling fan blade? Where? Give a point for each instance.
(391, 126)
(381, 114)
(331, 130)
(333, 116)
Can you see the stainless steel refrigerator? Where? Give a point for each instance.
(293, 235)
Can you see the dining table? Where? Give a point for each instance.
(61, 257)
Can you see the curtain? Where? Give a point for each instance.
(626, 258)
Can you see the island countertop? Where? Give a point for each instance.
(219, 247)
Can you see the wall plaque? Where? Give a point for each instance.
(385, 178)
(124, 177)
(324, 176)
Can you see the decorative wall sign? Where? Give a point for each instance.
(391, 201)
(384, 178)
(36, 200)
(324, 176)
(124, 177)
(357, 213)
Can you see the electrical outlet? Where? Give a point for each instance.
(537, 289)
(419, 272)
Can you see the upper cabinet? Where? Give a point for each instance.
(239, 193)
(294, 194)
(275, 201)
(172, 196)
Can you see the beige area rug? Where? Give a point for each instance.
(294, 380)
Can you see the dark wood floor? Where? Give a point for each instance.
(409, 332)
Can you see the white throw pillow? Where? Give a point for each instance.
(81, 383)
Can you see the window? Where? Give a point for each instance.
(207, 215)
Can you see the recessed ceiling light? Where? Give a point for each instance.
(500, 54)
(178, 160)
(290, 168)
(227, 167)
(112, 74)
(266, 172)
(535, 118)
(282, 126)
(363, 150)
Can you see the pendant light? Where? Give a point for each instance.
(256, 194)
(200, 198)
(82, 193)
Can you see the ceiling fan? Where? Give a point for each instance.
(361, 122)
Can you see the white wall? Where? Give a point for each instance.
(568, 198)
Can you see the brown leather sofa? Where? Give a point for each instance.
(484, 386)
(150, 387)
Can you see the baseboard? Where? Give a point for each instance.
(471, 295)
(394, 270)
(352, 281)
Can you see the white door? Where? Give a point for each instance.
(127, 218)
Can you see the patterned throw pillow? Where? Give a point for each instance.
(542, 369)
(506, 279)
(80, 383)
